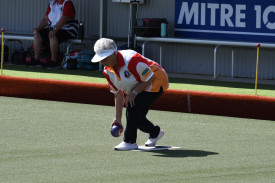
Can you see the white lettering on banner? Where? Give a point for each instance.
(230, 16)
(258, 10)
(226, 14)
(202, 13)
(266, 13)
(240, 15)
(189, 14)
(213, 8)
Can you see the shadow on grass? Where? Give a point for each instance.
(180, 153)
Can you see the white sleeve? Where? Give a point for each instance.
(144, 71)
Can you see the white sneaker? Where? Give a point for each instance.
(123, 146)
(153, 141)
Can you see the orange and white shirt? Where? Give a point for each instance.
(133, 68)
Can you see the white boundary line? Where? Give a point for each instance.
(155, 148)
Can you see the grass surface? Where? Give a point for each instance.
(175, 83)
(47, 141)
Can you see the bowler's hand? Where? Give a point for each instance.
(116, 122)
(35, 31)
(130, 99)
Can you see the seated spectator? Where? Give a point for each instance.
(57, 26)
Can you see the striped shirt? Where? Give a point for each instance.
(133, 68)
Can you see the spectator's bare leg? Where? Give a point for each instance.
(37, 46)
(54, 48)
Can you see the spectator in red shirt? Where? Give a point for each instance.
(57, 26)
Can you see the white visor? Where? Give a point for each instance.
(101, 55)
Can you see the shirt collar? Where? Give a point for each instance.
(121, 63)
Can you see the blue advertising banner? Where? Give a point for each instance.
(240, 20)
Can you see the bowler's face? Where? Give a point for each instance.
(109, 61)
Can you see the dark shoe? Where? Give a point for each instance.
(33, 62)
(51, 64)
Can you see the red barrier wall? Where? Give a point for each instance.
(244, 106)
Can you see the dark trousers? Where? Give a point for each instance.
(61, 35)
(136, 116)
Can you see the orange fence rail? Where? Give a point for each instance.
(245, 106)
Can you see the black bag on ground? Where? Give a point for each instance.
(149, 27)
(70, 60)
(19, 56)
(29, 54)
(71, 63)
(6, 53)
(45, 56)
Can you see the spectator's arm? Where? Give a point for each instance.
(63, 20)
(42, 24)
